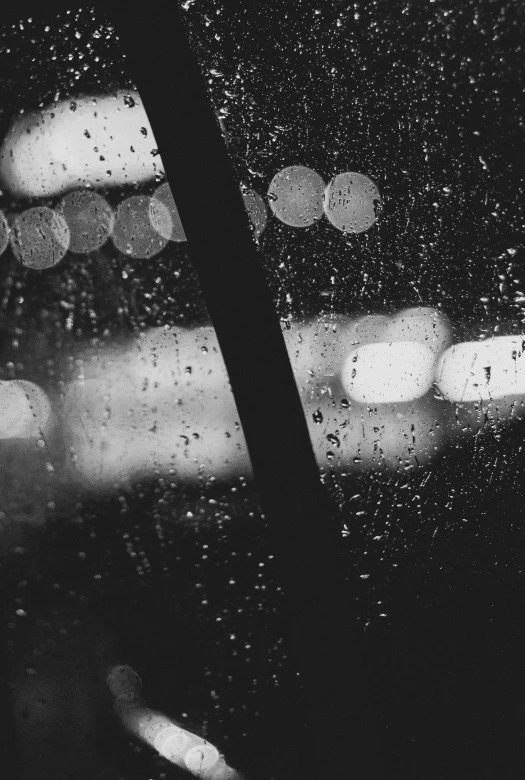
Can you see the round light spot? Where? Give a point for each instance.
(40, 237)
(38, 408)
(124, 679)
(4, 233)
(256, 211)
(24, 409)
(133, 233)
(172, 742)
(164, 215)
(90, 219)
(387, 373)
(150, 725)
(483, 370)
(295, 196)
(127, 702)
(201, 757)
(352, 202)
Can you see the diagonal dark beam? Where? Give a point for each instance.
(201, 176)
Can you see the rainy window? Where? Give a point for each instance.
(377, 148)
(143, 605)
(384, 140)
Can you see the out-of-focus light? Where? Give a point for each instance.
(24, 409)
(355, 437)
(351, 202)
(317, 347)
(90, 220)
(424, 324)
(483, 370)
(388, 372)
(295, 196)
(177, 745)
(103, 141)
(40, 238)
(123, 679)
(164, 215)
(4, 233)
(200, 758)
(370, 329)
(133, 233)
(126, 421)
(126, 702)
(256, 211)
(189, 357)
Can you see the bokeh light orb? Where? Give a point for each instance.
(133, 233)
(295, 196)
(4, 233)
(40, 237)
(164, 215)
(90, 220)
(352, 202)
(257, 212)
(392, 372)
(123, 679)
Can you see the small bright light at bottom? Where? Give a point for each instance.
(123, 679)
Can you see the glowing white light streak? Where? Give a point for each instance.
(387, 373)
(483, 370)
(102, 141)
(174, 743)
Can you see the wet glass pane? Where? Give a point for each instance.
(145, 610)
(384, 141)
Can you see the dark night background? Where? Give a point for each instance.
(427, 99)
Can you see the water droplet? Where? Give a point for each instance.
(128, 100)
(317, 417)
(332, 438)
